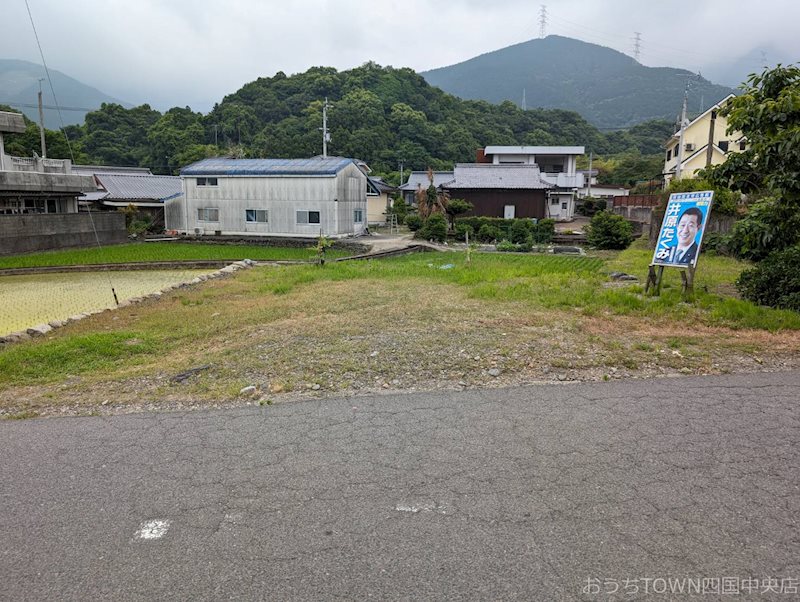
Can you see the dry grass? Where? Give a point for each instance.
(295, 333)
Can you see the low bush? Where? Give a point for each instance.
(489, 233)
(544, 231)
(541, 232)
(609, 231)
(775, 281)
(435, 228)
(461, 231)
(413, 221)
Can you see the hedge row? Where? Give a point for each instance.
(515, 230)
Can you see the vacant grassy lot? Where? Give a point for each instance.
(420, 321)
(163, 251)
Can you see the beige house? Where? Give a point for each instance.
(705, 142)
(378, 200)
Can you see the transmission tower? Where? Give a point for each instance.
(637, 45)
(542, 21)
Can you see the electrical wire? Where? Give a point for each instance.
(69, 145)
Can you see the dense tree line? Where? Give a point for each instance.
(379, 114)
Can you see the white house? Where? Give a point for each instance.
(271, 197)
(558, 166)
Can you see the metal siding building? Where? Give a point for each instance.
(287, 189)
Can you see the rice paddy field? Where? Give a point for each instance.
(29, 300)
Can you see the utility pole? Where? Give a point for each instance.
(524, 102)
(402, 164)
(710, 147)
(326, 137)
(637, 44)
(542, 21)
(41, 120)
(216, 142)
(680, 138)
(589, 187)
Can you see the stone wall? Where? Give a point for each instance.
(45, 231)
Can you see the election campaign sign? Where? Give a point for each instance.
(682, 229)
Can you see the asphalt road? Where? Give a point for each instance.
(534, 493)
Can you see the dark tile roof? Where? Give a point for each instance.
(487, 175)
(124, 187)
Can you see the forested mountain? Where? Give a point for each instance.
(608, 88)
(19, 83)
(379, 114)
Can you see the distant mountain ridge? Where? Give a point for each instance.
(19, 85)
(607, 87)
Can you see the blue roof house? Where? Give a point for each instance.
(270, 197)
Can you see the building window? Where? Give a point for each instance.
(260, 216)
(207, 214)
(669, 155)
(554, 200)
(742, 145)
(308, 217)
(206, 181)
(358, 216)
(723, 145)
(563, 205)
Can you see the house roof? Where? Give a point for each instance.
(90, 170)
(420, 179)
(139, 187)
(316, 166)
(677, 135)
(11, 122)
(380, 186)
(487, 175)
(534, 150)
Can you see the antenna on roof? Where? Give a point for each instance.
(542, 21)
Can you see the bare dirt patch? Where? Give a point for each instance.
(366, 336)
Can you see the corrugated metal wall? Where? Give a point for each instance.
(282, 196)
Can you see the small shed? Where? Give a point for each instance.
(271, 197)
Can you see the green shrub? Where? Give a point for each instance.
(506, 246)
(775, 281)
(489, 233)
(544, 231)
(716, 243)
(769, 226)
(400, 209)
(435, 228)
(462, 230)
(520, 230)
(609, 231)
(413, 221)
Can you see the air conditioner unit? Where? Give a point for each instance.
(198, 231)
(689, 147)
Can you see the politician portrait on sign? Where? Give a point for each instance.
(682, 229)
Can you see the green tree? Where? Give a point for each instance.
(768, 114)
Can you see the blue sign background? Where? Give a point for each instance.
(668, 252)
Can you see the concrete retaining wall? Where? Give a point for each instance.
(46, 231)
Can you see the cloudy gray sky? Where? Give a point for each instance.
(179, 52)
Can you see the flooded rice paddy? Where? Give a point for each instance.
(29, 300)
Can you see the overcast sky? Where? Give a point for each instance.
(179, 52)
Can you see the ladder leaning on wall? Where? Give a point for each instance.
(392, 223)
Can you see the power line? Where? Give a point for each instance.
(33, 106)
(64, 131)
